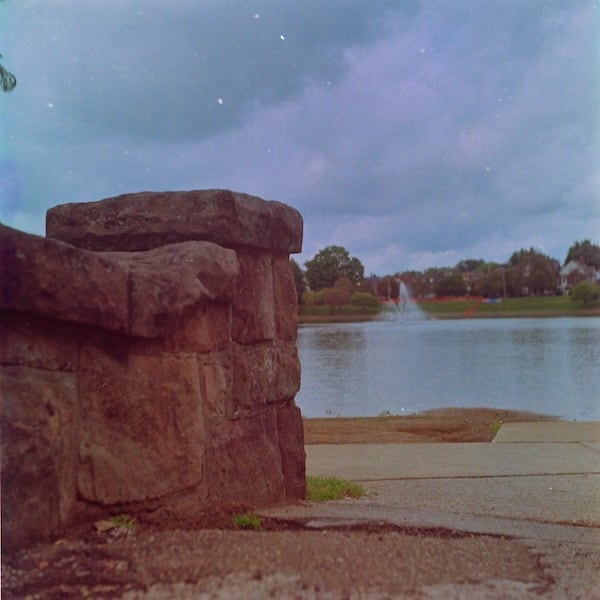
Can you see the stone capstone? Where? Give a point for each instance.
(145, 220)
(148, 360)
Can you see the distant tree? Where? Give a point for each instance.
(490, 285)
(331, 263)
(585, 292)
(298, 280)
(533, 273)
(451, 285)
(468, 265)
(519, 256)
(7, 80)
(365, 302)
(432, 277)
(334, 298)
(486, 267)
(345, 283)
(585, 251)
(416, 283)
(338, 295)
(388, 287)
(313, 298)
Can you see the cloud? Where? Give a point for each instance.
(159, 71)
(433, 133)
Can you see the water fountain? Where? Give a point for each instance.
(407, 309)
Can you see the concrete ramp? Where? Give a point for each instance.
(549, 431)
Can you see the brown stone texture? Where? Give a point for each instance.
(264, 373)
(142, 430)
(53, 279)
(145, 294)
(39, 425)
(216, 382)
(206, 329)
(41, 343)
(291, 440)
(167, 282)
(148, 360)
(285, 299)
(146, 220)
(254, 300)
(244, 461)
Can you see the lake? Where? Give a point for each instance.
(548, 365)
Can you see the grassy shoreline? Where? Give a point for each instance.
(453, 424)
(520, 314)
(466, 308)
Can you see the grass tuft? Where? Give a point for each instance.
(495, 425)
(247, 521)
(331, 488)
(123, 521)
(385, 413)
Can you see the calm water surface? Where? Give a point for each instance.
(361, 369)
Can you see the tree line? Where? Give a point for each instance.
(334, 278)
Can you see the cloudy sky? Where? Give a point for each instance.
(414, 133)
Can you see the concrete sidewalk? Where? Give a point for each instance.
(538, 480)
(537, 487)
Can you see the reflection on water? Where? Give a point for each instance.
(543, 365)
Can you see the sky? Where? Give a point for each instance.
(413, 133)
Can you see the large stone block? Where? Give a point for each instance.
(207, 329)
(291, 446)
(167, 284)
(285, 299)
(216, 380)
(35, 342)
(244, 461)
(264, 373)
(142, 425)
(50, 278)
(40, 424)
(253, 317)
(145, 220)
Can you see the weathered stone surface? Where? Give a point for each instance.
(158, 377)
(216, 382)
(244, 461)
(40, 422)
(34, 342)
(167, 283)
(145, 294)
(207, 329)
(50, 278)
(142, 430)
(264, 373)
(291, 446)
(146, 220)
(285, 300)
(254, 301)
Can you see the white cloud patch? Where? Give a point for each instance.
(443, 132)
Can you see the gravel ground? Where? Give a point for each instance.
(377, 561)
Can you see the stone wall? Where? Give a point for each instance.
(148, 360)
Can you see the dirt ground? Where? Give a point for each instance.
(218, 563)
(440, 425)
(209, 558)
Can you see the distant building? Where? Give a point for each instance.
(576, 271)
